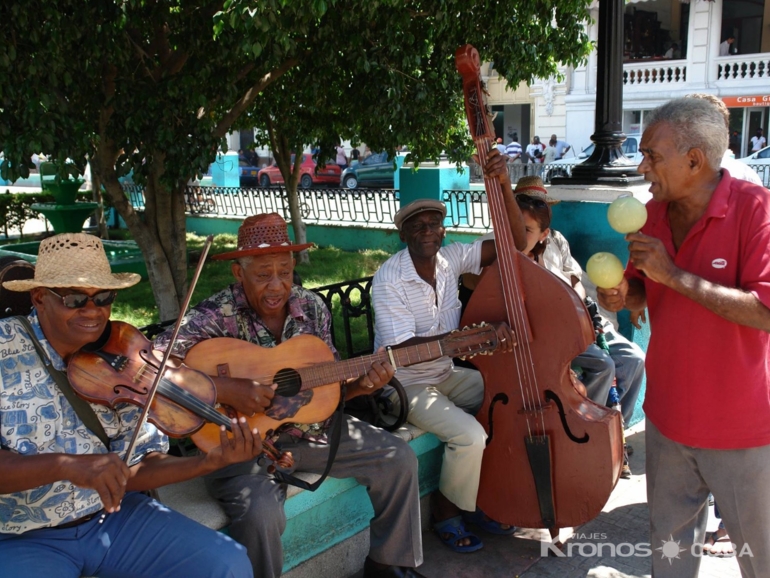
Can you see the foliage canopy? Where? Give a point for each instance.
(153, 86)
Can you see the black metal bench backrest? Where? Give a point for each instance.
(355, 302)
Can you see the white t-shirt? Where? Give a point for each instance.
(758, 143)
(531, 148)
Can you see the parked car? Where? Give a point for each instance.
(311, 174)
(760, 162)
(563, 167)
(247, 173)
(376, 170)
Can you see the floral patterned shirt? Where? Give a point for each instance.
(228, 314)
(36, 418)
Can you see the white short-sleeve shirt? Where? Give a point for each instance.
(405, 306)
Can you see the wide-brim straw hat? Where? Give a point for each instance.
(73, 260)
(260, 235)
(415, 208)
(534, 187)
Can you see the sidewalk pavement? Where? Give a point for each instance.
(624, 520)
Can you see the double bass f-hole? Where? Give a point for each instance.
(500, 397)
(551, 396)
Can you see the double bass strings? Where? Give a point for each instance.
(506, 253)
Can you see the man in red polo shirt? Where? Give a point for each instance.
(701, 266)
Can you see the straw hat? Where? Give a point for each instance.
(262, 234)
(416, 207)
(534, 187)
(73, 260)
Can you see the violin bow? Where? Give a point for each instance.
(167, 353)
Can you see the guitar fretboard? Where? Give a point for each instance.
(334, 371)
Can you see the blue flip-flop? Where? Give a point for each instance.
(455, 529)
(478, 518)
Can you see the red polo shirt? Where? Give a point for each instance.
(708, 379)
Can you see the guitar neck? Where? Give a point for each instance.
(325, 373)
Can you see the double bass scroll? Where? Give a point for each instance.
(553, 456)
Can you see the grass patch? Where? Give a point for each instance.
(136, 305)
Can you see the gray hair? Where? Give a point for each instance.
(695, 124)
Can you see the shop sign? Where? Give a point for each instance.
(739, 101)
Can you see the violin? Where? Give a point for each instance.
(121, 367)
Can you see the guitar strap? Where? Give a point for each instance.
(334, 444)
(81, 406)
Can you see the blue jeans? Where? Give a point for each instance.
(145, 538)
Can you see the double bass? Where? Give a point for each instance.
(553, 456)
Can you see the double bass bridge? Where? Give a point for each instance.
(536, 409)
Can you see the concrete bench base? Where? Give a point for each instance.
(330, 525)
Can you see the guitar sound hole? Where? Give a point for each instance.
(289, 382)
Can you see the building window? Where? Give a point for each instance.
(657, 32)
(743, 20)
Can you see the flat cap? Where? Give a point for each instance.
(416, 207)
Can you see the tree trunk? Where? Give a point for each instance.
(160, 236)
(295, 214)
(297, 225)
(96, 191)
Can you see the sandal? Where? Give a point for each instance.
(718, 543)
(487, 524)
(451, 531)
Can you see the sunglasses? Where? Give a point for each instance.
(524, 199)
(78, 300)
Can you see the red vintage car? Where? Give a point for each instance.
(311, 174)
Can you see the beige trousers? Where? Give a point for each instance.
(447, 410)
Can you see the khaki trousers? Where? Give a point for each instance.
(679, 478)
(447, 410)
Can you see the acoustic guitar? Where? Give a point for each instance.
(307, 375)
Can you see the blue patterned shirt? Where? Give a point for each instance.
(36, 418)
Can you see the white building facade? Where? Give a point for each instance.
(671, 48)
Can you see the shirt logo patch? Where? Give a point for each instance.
(719, 263)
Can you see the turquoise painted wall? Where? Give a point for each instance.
(225, 171)
(585, 226)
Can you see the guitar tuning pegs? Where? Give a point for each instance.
(463, 357)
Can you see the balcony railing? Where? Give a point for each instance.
(657, 73)
(745, 67)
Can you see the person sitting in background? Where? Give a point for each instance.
(69, 505)
(414, 294)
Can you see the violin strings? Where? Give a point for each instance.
(173, 392)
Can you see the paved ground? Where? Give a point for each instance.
(623, 521)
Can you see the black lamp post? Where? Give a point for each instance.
(607, 164)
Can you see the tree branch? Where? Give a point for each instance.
(250, 96)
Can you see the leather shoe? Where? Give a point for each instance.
(372, 570)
